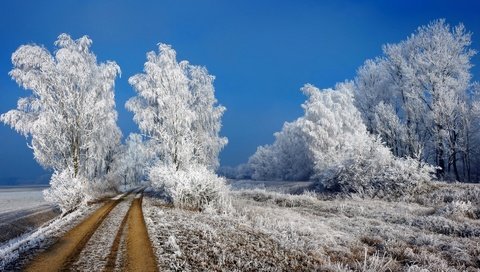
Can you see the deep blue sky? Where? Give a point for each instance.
(261, 52)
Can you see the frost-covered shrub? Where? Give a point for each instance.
(377, 173)
(65, 190)
(101, 187)
(288, 158)
(349, 159)
(457, 208)
(195, 187)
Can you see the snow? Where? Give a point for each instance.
(21, 198)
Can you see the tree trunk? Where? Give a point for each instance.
(455, 168)
(75, 155)
(440, 160)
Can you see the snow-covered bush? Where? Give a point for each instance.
(457, 208)
(194, 187)
(374, 175)
(65, 190)
(347, 158)
(101, 187)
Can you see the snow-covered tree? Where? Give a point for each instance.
(207, 123)
(162, 107)
(131, 161)
(372, 85)
(70, 116)
(390, 128)
(288, 158)
(346, 156)
(176, 109)
(424, 81)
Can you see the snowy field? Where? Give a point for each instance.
(438, 230)
(23, 209)
(21, 197)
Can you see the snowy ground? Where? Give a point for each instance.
(21, 197)
(95, 254)
(276, 186)
(23, 209)
(271, 231)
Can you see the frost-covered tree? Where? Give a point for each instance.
(424, 81)
(177, 110)
(162, 107)
(207, 123)
(346, 156)
(288, 158)
(373, 84)
(70, 116)
(390, 128)
(131, 161)
(176, 107)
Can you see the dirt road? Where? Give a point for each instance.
(113, 238)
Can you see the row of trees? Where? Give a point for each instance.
(417, 98)
(70, 118)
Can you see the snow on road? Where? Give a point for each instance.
(95, 254)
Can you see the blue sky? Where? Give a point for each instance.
(261, 52)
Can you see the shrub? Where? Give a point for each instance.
(373, 171)
(194, 188)
(102, 187)
(65, 190)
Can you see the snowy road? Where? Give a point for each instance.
(103, 241)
